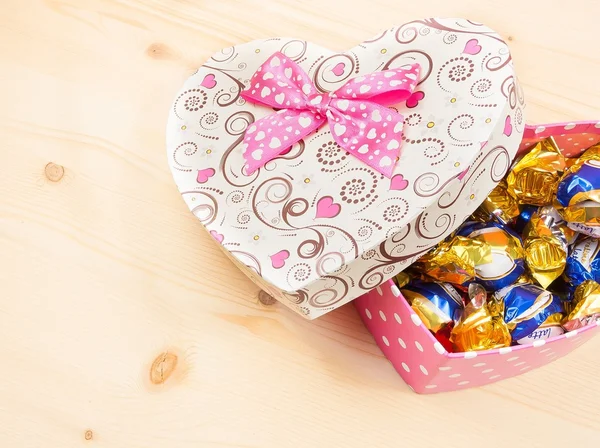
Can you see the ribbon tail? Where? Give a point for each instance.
(272, 135)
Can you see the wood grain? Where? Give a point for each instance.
(123, 325)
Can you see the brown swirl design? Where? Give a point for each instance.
(236, 125)
(298, 297)
(188, 149)
(295, 153)
(205, 212)
(407, 33)
(335, 258)
(441, 225)
(428, 184)
(460, 28)
(227, 98)
(294, 49)
(376, 38)
(249, 260)
(510, 92)
(190, 101)
(410, 57)
(390, 252)
(225, 55)
(497, 62)
(459, 128)
(209, 121)
(331, 295)
(311, 248)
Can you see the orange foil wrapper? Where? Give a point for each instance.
(481, 326)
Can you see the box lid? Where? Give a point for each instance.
(312, 222)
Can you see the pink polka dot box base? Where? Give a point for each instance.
(422, 361)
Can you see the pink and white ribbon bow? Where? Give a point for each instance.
(357, 114)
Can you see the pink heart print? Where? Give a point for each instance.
(209, 81)
(204, 175)
(413, 100)
(508, 126)
(398, 183)
(217, 236)
(357, 113)
(338, 70)
(278, 259)
(472, 47)
(326, 208)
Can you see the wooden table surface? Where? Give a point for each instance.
(123, 325)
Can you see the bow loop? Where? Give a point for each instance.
(386, 88)
(357, 113)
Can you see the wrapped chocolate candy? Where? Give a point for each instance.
(527, 307)
(584, 262)
(584, 309)
(507, 263)
(550, 328)
(534, 178)
(402, 279)
(438, 305)
(524, 217)
(499, 205)
(545, 245)
(579, 193)
(481, 325)
(454, 260)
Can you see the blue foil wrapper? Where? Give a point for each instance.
(524, 217)
(582, 180)
(437, 304)
(507, 254)
(584, 262)
(526, 307)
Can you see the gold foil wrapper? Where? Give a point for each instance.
(587, 212)
(499, 241)
(546, 260)
(432, 317)
(481, 326)
(553, 319)
(524, 279)
(454, 260)
(585, 306)
(545, 245)
(500, 204)
(569, 163)
(534, 179)
(592, 153)
(402, 279)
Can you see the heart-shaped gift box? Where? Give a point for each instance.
(316, 226)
